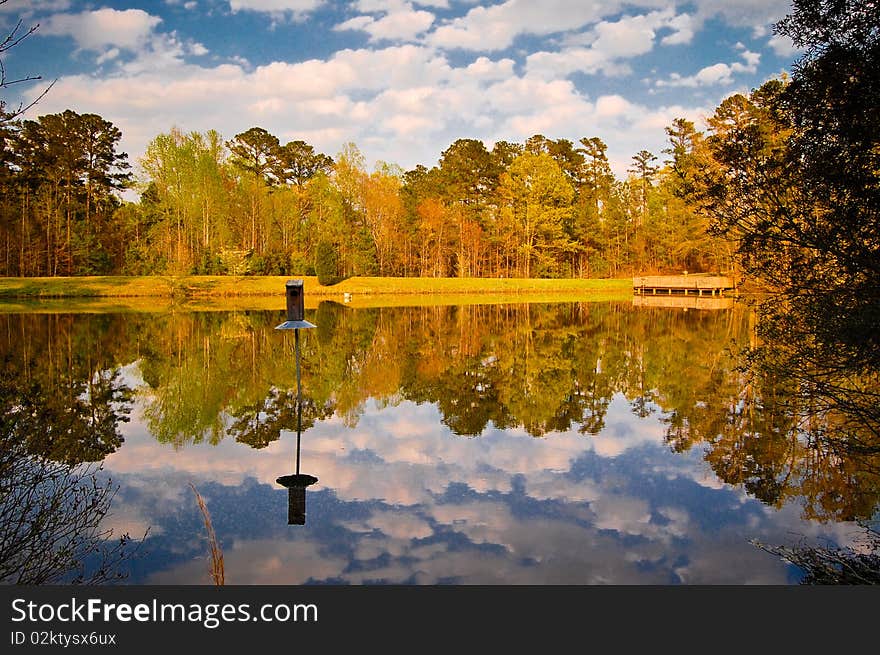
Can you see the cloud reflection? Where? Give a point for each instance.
(401, 499)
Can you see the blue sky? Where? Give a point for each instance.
(401, 79)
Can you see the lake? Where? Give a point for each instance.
(509, 443)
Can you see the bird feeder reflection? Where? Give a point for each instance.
(297, 482)
(296, 496)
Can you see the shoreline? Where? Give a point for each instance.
(204, 287)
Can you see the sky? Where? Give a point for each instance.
(402, 80)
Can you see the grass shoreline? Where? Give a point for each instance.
(203, 286)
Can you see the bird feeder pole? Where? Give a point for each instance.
(296, 484)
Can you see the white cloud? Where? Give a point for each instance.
(197, 49)
(261, 562)
(276, 6)
(357, 23)
(495, 27)
(402, 104)
(413, 460)
(400, 23)
(744, 13)
(398, 525)
(716, 74)
(600, 49)
(553, 65)
(783, 46)
(486, 69)
(109, 55)
(111, 31)
(683, 28)
(130, 29)
(630, 36)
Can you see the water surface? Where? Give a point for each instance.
(571, 443)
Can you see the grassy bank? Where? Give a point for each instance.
(196, 287)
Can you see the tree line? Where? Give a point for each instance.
(250, 205)
(783, 182)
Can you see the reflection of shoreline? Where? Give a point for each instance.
(683, 302)
(272, 303)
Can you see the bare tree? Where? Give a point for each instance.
(15, 36)
(834, 566)
(50, 521)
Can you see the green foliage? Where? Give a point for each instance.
(255, 151)
(60, 174)
(538, 198)
(270, 263)
(326, 263)
(297, 163)
(251, 205)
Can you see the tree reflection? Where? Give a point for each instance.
(62, 396)
(798, 416)
(771, 408)
(59, 410)
(50, 521)
(834, 566)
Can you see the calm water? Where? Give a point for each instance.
(579, 443)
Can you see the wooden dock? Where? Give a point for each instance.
(697, 285)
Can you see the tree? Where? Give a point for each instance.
(747, 182)
(256, 152)
(426, 222)
(297, 163)
(690, 246)
(189, 180)
(64, 170)
(383, 214)
(645, 170)
(538, 197)
(831, 102)
(50, 522)
(589, 229)
(504, 152)
(469, 175)
(569, 159)
(597, 177)
(834, 566)
(105, 170)
(350, 175)
(58, 415)
(326, 265)
(796, 183)
(684, 140)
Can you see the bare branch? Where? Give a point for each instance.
(12, 39)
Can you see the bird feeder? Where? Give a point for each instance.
(295, 307)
